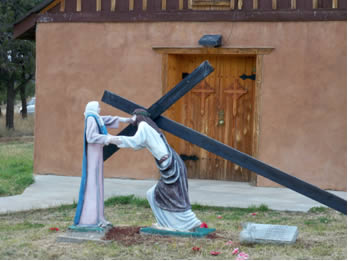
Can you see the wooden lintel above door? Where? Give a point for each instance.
(221, 50)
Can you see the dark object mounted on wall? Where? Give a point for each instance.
(251, 77)
(188, 157)
(211, 40)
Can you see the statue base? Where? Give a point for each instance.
(199, 232)
(74, 228)
(77, 234)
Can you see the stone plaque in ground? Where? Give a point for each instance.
(265, 233)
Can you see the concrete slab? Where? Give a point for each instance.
(52, 190)
(79, 237)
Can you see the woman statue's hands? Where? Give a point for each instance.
(115, 140)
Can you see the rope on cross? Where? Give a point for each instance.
(214, 146)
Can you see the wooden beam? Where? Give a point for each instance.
(164, 4)
(26, 28)
(229, 153)
(50, 6)
(62, 6)
(203, 50)
(246, 161)
(255, 4)
(257, 112)
(274, 4)
(334, 3)
(201, 16)
(131, 5)
(183, 87)
(201, 72)
(240, 4)
(315, 4)
(232, 4)
(78, 5)
(181, 4)
(98, 5)
(293, 4)
(164, 76)
(144, 5)
(113, 6)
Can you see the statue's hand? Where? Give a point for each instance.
(115, 140)
(132, 119)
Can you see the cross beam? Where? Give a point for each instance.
(227, 152)
(237, 157)
(183, 87)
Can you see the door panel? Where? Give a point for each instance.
(221, 106)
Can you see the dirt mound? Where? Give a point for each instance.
(125, 235)
(131, 235)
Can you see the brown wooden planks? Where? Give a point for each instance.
(50, 6)
(203, 107)
(62, 6)
(78, 6)
(293, 4)
(255, 4)
(124, 15)
(131, 5)
(274, 4)
(113, 6)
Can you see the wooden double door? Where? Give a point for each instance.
(221, 107)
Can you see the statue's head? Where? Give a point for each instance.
(140, 115)
(92, 107)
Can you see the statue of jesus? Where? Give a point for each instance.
(169, 198)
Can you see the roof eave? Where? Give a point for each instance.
(24, 27)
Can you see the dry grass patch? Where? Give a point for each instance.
(22, 127)
(26, 235)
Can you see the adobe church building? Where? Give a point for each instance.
(278, 91)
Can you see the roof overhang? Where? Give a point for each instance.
(24, 27)
(46, 12)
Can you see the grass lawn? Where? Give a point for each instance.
(26, 235)
(16, 167)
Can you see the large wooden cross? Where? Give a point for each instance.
(212, 145)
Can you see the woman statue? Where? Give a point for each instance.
(90, 207)
(169, 198)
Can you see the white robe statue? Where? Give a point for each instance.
(168, 199)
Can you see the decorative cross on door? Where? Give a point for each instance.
(214, 146)
(204, 91)
(236, 90)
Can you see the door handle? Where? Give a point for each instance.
(221, 118)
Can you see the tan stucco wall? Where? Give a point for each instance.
(303, 94)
